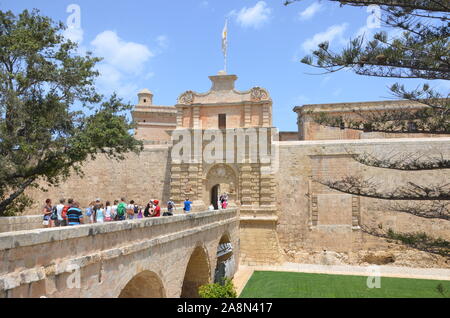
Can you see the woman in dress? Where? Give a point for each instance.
(47, 211)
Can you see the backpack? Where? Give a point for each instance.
(88, 211)
(64, 212)
(136, 209)
(54, 213)
(121, 209)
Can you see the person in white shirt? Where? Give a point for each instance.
(59, 208)
(108, 209)
(114, 209)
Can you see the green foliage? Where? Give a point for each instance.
(420, 50)
(224, 290)
(18, 205)
(43, 79)
(421, 241)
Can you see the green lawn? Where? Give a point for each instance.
(302, 285)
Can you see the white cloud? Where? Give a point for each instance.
(129, 57)
(310, 11)
(332, 33)
(163, 41)
(253, 17)
(123, 64)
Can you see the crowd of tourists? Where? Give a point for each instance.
(70, 213)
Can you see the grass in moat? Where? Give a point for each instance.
(264, 284)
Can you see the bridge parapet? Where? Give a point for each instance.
(29, 259)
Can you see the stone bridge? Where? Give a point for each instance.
(156, 257)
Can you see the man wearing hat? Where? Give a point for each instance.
(157, 210)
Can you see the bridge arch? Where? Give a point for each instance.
(225, 263)
(146, 284)
(197, 273)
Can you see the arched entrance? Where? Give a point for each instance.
(215, 196)
(144, 285)
(197, 273)
(221, 179)
(225, 266)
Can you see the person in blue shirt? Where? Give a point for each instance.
(187, 206)
(74, 215)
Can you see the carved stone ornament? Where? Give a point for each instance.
(258, 93)
(186, 98)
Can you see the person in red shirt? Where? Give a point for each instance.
(157, 209)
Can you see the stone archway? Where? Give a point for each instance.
(144, 285)
(197, 273)
(223, 178)
(225, 265)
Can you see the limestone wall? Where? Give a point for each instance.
(313, 218)
(139, 177)
(20, 223)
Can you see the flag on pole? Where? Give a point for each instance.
(224, 39)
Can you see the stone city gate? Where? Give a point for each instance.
(160, 257)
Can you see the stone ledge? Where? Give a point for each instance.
(363, 141)
(10, 240)
(259, 218)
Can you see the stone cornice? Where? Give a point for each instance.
(358, 106)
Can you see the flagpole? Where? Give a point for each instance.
(225, 44)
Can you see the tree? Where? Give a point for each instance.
(46, 92)
(422, 51)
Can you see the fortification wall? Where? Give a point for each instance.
(139, 177)
(313, 219)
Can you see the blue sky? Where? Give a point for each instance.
(173, 46)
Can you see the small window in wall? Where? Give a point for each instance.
(222, 121)
(145, 100)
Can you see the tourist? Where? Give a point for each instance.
(100, 213)
(121, 210)
(74, 215)
(211, 207)
(53, 217)
(90, 212)
(59, 208)
(140, 216)
(148, 209)
(224, 202)
(94, 210)
(108, 212)
(187, 206)
(157, 209)
(136, 210)
(170, 207)
(64, 211)
(114, 210)
(47, 211)
(130, 210)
